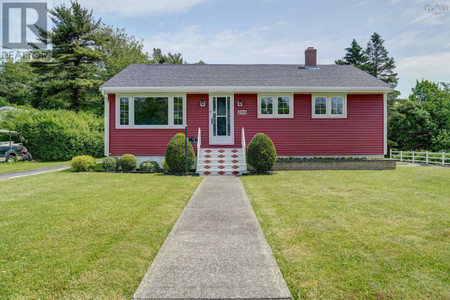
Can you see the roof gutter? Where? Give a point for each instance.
(245, 89)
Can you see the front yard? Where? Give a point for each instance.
(84, 235)
(358, 234)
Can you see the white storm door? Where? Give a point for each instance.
(221, 120)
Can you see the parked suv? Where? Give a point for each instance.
(10, 150)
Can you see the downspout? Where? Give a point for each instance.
(106, 117)
(385, 120)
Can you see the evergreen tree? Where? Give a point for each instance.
(379, 64)
(158, 56)
(176, 58)
(16, 78)
(374, 60)
(355, 56)
(73, 75)
(170, 58)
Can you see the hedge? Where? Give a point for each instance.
(57, 134)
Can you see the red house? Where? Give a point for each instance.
(307, 110)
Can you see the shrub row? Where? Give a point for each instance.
(261, 155)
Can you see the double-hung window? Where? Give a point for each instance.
(329, 106)
(151, 111)
(275, 106)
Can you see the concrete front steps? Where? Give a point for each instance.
(217, 161)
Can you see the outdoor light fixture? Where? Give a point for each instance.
(202, 103)
(240, 103)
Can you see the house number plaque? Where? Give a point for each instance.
(242, 112)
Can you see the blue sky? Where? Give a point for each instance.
(278, 31)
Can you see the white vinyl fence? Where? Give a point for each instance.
(442, 159)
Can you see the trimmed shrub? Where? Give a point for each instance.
(110, 164)
(128, 162)
(54, 135)
(149, 167)
(175, 156)
(117, 163)
(165, 166)
(261, 153)
(83, 163)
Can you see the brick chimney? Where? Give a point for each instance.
(311, 57)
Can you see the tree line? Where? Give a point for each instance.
(420, 122)
(82, 54)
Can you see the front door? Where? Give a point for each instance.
(221, 120)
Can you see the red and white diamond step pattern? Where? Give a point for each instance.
(221, 162)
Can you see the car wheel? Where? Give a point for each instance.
(11, 158)
(28, 156)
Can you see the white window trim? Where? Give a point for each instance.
(328, 115)
(275, 114)
(131, 125)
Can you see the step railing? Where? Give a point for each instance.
(427, 157)
(199, 142)
(244, 148)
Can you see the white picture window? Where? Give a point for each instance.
(275, 106)
(329, 106)
(150, 111)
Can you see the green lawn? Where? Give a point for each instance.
(358, 234)
(84, 235)
(26, 165)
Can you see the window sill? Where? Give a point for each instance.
(275, 116)
(328, 117)
(152, 127)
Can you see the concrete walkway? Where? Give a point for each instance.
(33, 172)
(216, 250)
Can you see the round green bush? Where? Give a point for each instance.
(83, 163)
(149, 167)
(175, 156)
(165, 166)
(261, 153)
(128, 162)
(110, 164)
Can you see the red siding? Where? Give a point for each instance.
(143, 142)
(360, 133)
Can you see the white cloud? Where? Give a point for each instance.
(254, 45)
(359, 4)
(137, 7)
(434, 67)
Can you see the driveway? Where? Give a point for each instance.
(33, 172)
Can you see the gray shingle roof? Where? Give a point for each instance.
(155, 75)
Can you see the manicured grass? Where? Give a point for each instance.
(27, 165)
(358, 234)
(84, 235)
